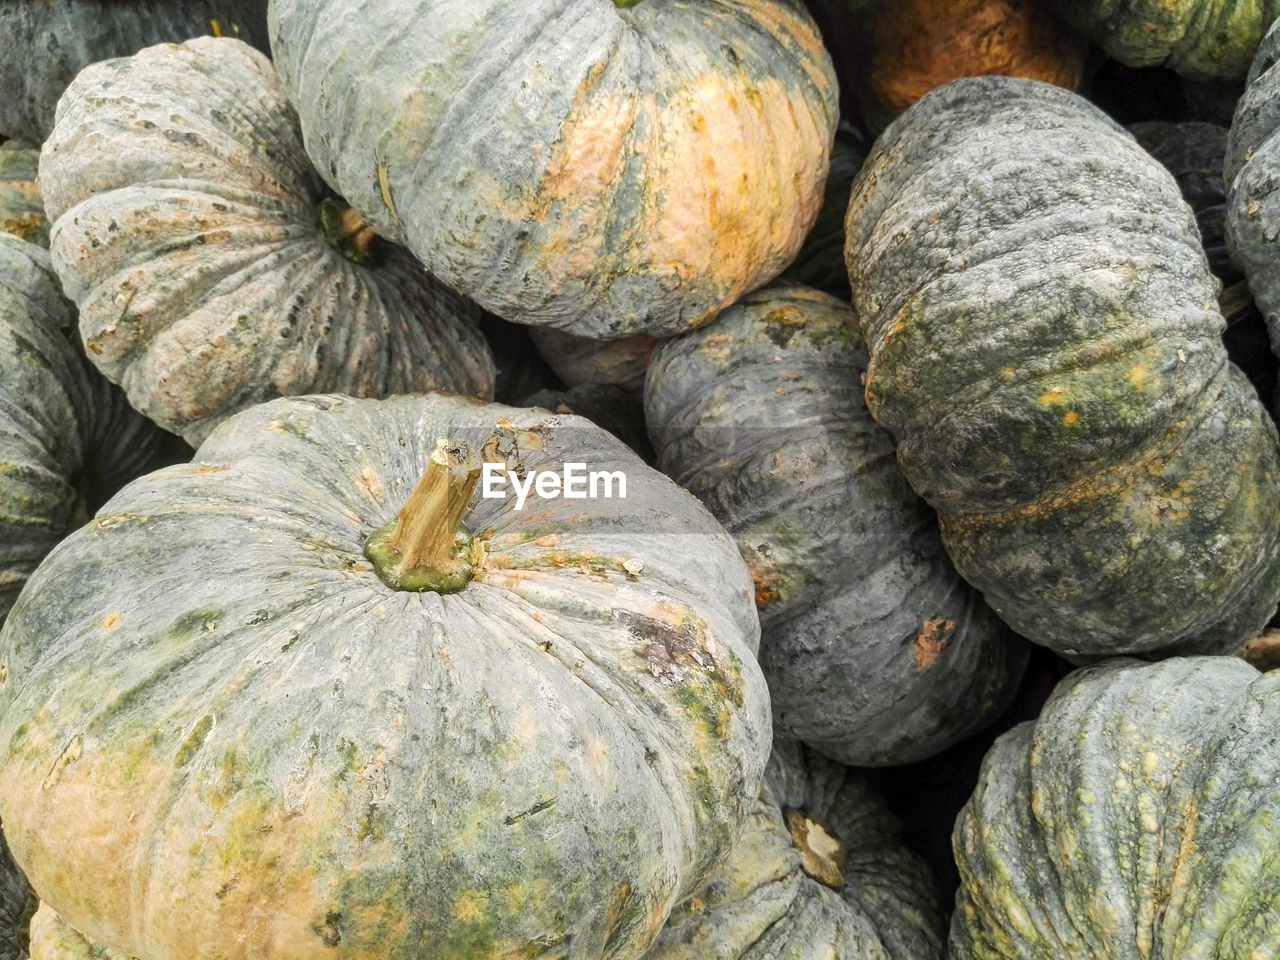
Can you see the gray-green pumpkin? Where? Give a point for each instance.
(580, 360)
(210, 269)
(619, 411)
(1046, 346)
(819, 872)
(275, 753)
(21, 211)
(68, 439)
(17, 904)
(45, 43)
(603, 168)
(1135, 818)
(1200, 39)
(875, 650)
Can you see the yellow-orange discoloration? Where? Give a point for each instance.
(1053, 395)
(934, 638)
(1071, 417)
(111, 621)
(205, 468)
(371, 483)
(1138, 376)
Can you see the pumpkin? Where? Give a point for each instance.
(819, 872)
(1200, 39)
(540, 739)
(17, 904)
(603, 168)
(68, 439)
(1045, 346)
(1134, 818)
(619, 411)
(21, 212)
(875, 650)
(210, 269)
(520, 369)
(579, 361)
(44, 45)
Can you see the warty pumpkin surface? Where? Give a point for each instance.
(579, 361)
(21, 210)
(275, 753)
(875, 650)
(819, 872)
(1200, 39)
(603, 168)
(210, 269)
(1135, 818)
(44, 44)
(1045, 345)
(68, 439)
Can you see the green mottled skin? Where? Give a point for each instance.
(1135, 818)
(21, 212)
(760, 415)
(202, 252)
(276, 753)
(1200, 39)
(762, 904)
(1045, 345)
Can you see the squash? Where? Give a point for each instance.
(1134, 818)
(21, 212)
(875, 650)
(579, 361)
(1045, 345)
(210, 269)
(603, 168)
(819, 872)
(543, 738)
(610, 407)
(520, 368)
(17, 904)
(44, 45)
(68, 439)
(1200, 39)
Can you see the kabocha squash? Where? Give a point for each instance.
(44, 45)
(1200, 39)
(1044, 342)
(610, 407)
(1135, 818)
(520, 369)
(17, 904)
(68, 439)
(875, 650)
(275, 752)
(21, 212)
(819, 872)
(579, 361)
(603, 168)
(210, 269)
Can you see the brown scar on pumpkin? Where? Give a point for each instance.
(206, 468)
(111, 621)
(932, 640)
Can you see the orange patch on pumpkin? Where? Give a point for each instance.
(111, 621)
(934, 638)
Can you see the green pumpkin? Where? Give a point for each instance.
(210, 269)
(44, 44)
(579, 361)
(1135, 818)
(21, 212)
(1200, 39)
(540, 761)
(68, 439)
(875, 650)
(1045, 345)
(819, 872)
(603, 168)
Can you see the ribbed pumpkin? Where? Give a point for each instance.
(243, 743)
(44, 45)
(210, 269)
(1201, 39)
(819, 872)
(21, 211)
(604, 168)
(579, 361)
(1135, 818)
(68, 439)
(1045, 345)
(875, 650)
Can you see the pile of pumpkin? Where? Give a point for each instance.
(901, 373)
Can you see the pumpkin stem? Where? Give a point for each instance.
(347, 232)
(426, 547)
(823, 856)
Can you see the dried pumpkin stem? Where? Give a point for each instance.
(823, 856)
(347, 232)
(426, 547)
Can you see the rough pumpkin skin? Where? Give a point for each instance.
(875, 650)
(819, 872)
(68, 438)
(1045, 345)
(1135, 818)
(45, 43)
(603, 168)
(258, 750)
(1200, 39)
(190, 228)
(579, 361)
(17, 903)
(21, 211)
